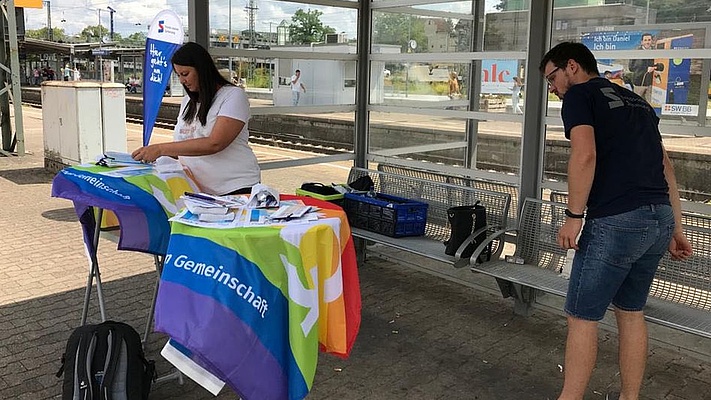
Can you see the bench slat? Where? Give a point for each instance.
(482, 184)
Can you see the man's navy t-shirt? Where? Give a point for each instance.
(629, 170)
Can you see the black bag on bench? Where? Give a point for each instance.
(319, 188)
(464, 220)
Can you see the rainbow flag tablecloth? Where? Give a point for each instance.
(250, 307)
(142, 199)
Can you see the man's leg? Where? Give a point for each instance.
(580, 356)
(632, 353)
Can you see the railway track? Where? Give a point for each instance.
(279, 140)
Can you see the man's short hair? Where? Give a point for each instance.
(297, 70)
(562, 52)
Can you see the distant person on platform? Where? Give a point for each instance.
(67, 72)
(36, 77)
(211, 134)
(643, 70)
(77, 74)
(296, 88)
(516, 95)
(454, 91)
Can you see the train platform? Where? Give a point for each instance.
(422, 337)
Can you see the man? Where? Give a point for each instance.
(643, 70)
(619, 169)
(296, 87)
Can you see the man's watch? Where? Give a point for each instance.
(571, 214)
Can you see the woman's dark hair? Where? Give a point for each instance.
(561, 53)
(193, 55)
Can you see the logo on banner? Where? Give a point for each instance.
(680, 109)
(161, 27)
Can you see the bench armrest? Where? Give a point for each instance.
(498, 234)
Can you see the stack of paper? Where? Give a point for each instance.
(210, 208)
(289, 212)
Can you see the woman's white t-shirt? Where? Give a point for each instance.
(233, 168)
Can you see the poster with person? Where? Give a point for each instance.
(663, 82)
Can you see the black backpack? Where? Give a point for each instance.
(105, 362)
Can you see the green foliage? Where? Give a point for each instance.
(136, 39)
(94, 33)
(307, 27)
(57, 34)
(391, 28)
(260, 79)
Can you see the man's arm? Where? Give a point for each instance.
(581, 171)
(679, 247)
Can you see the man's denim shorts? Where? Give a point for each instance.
(616, 260)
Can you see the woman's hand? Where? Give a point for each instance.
(147, 153)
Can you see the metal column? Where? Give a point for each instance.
(534, 128)
(12, 86)
(360, 141)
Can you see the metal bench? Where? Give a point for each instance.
(482, 184)
(680, 296)
(439, 196)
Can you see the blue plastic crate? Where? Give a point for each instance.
(385, 214)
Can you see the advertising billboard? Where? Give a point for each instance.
(669, 79)
(497, 76)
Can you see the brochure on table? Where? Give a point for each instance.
(262, 207)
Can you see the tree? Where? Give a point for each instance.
(391, 28)
(135, 39)
(307, 27)
(94, 33)
(58, 34)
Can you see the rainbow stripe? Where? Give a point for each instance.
(254, 305)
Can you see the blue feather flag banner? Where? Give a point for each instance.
(165, 36)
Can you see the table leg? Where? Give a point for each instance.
(159, 269)
(94, 272)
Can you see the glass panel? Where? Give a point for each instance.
(446, 85)
(327, 134)
(411, 33)
(677, 87)
(280, 25)
(460, 7)
(506, 30)
(430, 85)
(442, 140)
(327, 82)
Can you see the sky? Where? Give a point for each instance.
(135, 15)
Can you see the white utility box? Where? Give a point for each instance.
(82, 120)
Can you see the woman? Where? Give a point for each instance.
(211, 134)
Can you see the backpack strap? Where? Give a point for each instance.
(83, 379)
(115, 340)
